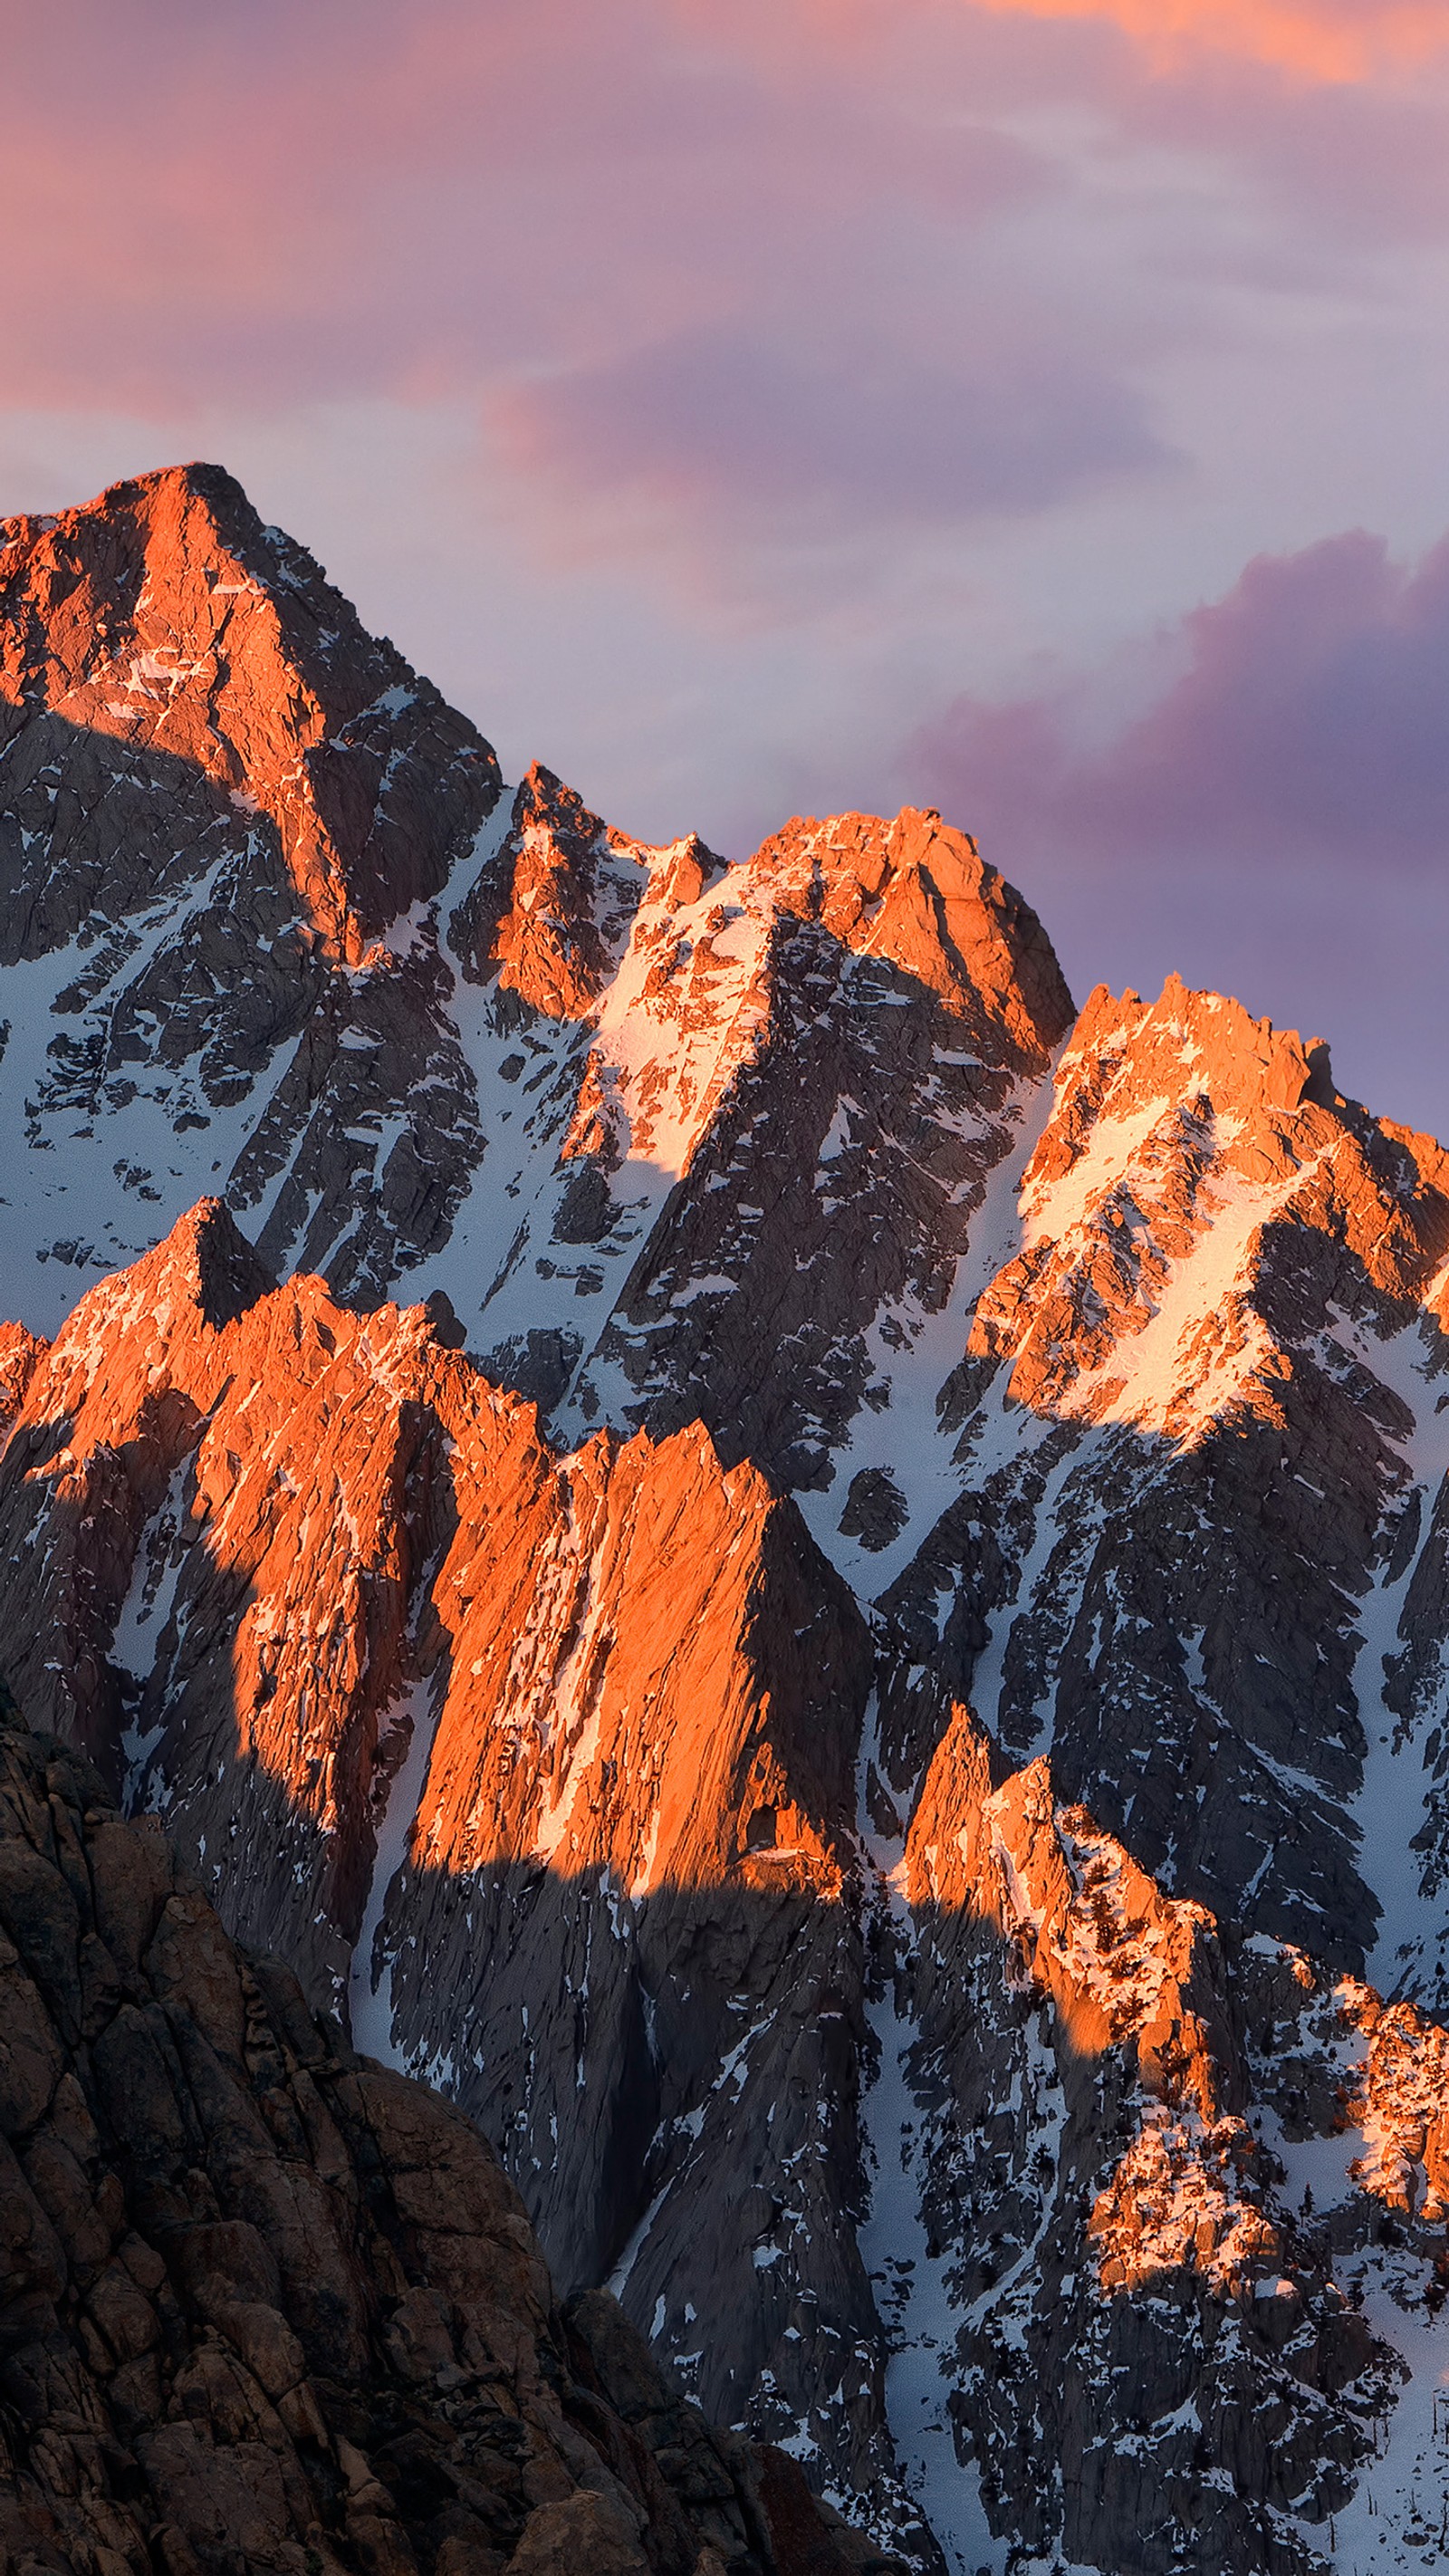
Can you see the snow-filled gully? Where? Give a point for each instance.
(369, 1988)
(910, 2279)
(912, 2295)
(1398, 2517)
(1390, 1807)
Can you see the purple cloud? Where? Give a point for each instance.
(1276, 823)
(353, 199)
(768, 425)
(1311, 721)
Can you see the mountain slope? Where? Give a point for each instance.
(326, 1601)
(1198, 1436)
(546, 1769)
(218, 795)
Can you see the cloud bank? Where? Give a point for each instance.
(1307, 720)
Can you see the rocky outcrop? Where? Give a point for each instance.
(548, 918)
(268, 2305)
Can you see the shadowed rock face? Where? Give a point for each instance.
(269, 2305)
(1099, 2193)
(543, 1767)
(862, 1678)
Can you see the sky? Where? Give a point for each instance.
(1033, 408)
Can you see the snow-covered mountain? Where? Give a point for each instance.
(857, 1664)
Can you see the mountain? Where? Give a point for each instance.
(857, 1666)
(268, 2305)
(273, 932)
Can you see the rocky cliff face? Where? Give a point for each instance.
(269, 2305)
(275, 934)
(542, 1767)
(860, 1675)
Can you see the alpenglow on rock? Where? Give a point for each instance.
(817, 1587)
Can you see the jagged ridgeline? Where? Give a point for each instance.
(816, 1585)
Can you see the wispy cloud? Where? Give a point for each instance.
(769, 433)
(1315, 40)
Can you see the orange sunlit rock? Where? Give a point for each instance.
(166, 618)
(1126, 1968)
(336, 1507)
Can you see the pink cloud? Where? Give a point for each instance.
(282, 204)
(356, 197)
(1313, 40)
(784, 435)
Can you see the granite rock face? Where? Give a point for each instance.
(1198, 1430)
(561, 1779)
(1161, 2359)
(268, 2305)
(859, 1675)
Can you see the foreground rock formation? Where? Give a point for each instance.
(857, 1669)
(269, 2305)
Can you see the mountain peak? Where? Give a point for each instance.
(916, 890)
(1246, 1064)
(167, 491)
(209, 1259)
(201, 1277)
(163, 630)
(918, 1913)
